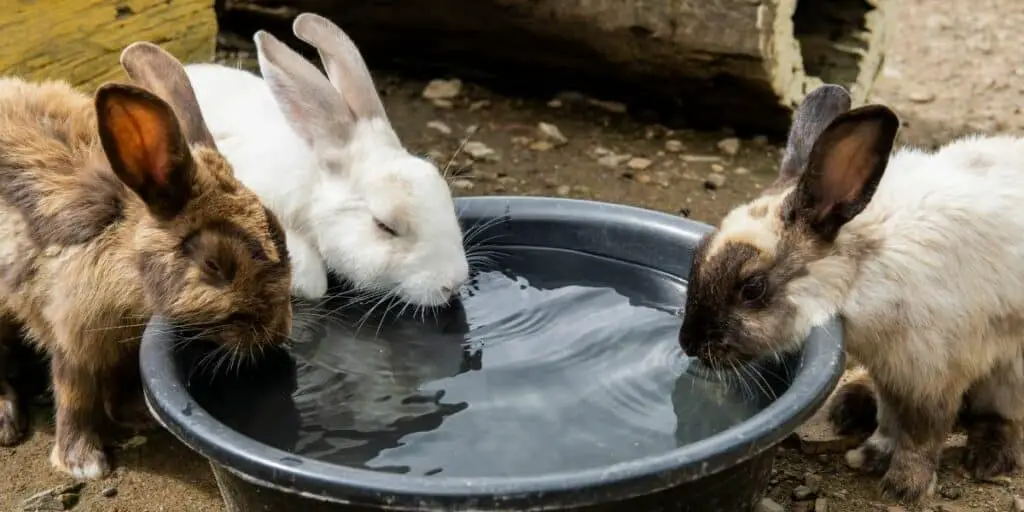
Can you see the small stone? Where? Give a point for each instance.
(581, 189)
(439, 89)
(821, 505)
(685, 212)
(53, 500)
(478, 150)
(742, 171)
(729, 146)
(643, 179)
(134, 442)
(440, 127)
(610, 106)
(638, 164)
(951, 492)
(717, 167)
(520, 140)
(613, 160)
(895, 508)
(445, 104)
(1018, 504)
(541, 145)
(109, 492)
(435, 155)
(463, 185)
(479, 105)
(768, 505)
(674, 146)
(563, 190)
(714, 181)
(920, 96)
(700, 158)
(813, 482)
(551, 133)
(802, 493)
(555, 103)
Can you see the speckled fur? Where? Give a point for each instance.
(85, 260)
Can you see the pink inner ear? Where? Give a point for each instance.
(848, 167)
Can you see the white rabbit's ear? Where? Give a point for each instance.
(317, 112)
(343, 62)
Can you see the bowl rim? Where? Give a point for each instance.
(821, 365)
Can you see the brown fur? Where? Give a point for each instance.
(113, 213)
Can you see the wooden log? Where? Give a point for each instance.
(739, 63)
(81, 40)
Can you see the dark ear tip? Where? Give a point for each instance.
(832, 93)
(880, 113)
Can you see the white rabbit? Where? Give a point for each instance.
(322, 155)
(922, 255)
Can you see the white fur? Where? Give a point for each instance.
(328, 189)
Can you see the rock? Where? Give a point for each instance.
(551, 133)
(714, 181)
(479, 151)
(768, 505)
(463, 185)
(921, 96)
(741, 171)
(563, 190)
(951, 492)
(609, 106)
(1018, 504)
(134, 442)
(439, 89)
(729, 146)
(674, 146)
(555, 103)
(638, 164)
(803, 493)
(700, 158)
(479, 105)
(895, 508)
(601, 151)
(440, 127)
(520, 140)
(109, 492)
(821, 505)
(717, 167)
(643, 179)
(613, 160)
(581, 189)
(813, 482)
(541, 145)
(53, 500)
(445, 104)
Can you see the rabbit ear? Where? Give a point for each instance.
(158, 71)
(343, 63)
(314, 109)
(818, 109)
(142, 139)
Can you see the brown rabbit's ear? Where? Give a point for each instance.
(815, 113)
(158, 71)
(844, 168)
(146, 149)
(343, 62)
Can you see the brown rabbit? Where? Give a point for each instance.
(114, 210)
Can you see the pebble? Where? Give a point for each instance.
(440, 89)
(638, 164)
(109, 492)
(700, 158)
(821, 505)
(563, 190)
(741, 171)
(440, 127)
(951, 492)
(446, 104)
(551, 133)
(813, 482)
(643, 179)
(717, 167)
(463, 184)
(768, 505)
(613, 160)
(479, 105)
(555, 103)
(920, 96)
(541, 145)
(714, 181)
(56, 499)
(609, 106)
(674, 146)
(729, 146)
(895, 508)
(134, 442)
(1018, 504)
(478, 150)
(802, 492)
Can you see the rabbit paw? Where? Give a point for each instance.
(81, 457)
(309, 275)
(909, 480)
(994, 448)
(12, 421)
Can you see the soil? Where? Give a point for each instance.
(953, 68)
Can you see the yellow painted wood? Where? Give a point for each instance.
(81, 40)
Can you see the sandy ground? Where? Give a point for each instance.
(954, 67)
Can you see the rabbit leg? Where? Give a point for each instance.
(309, 274)
(13, 421)
(123, 399)
(853, 409)
(994, 421)
(78, 449)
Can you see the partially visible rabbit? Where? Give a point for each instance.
(112, 210)
(925, 263)
(321, 153)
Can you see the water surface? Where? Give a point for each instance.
(528, 374)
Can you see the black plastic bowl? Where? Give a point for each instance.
(727, 472)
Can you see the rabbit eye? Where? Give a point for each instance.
(754, 289)
(385, 228)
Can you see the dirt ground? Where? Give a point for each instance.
(953, 67)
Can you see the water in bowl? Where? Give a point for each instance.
(559, 361)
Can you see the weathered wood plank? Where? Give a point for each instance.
(744, 63)
(81, 40)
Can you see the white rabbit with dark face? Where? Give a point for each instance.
(921, 254)
(321, 153)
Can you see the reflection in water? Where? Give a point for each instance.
(527, 375)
